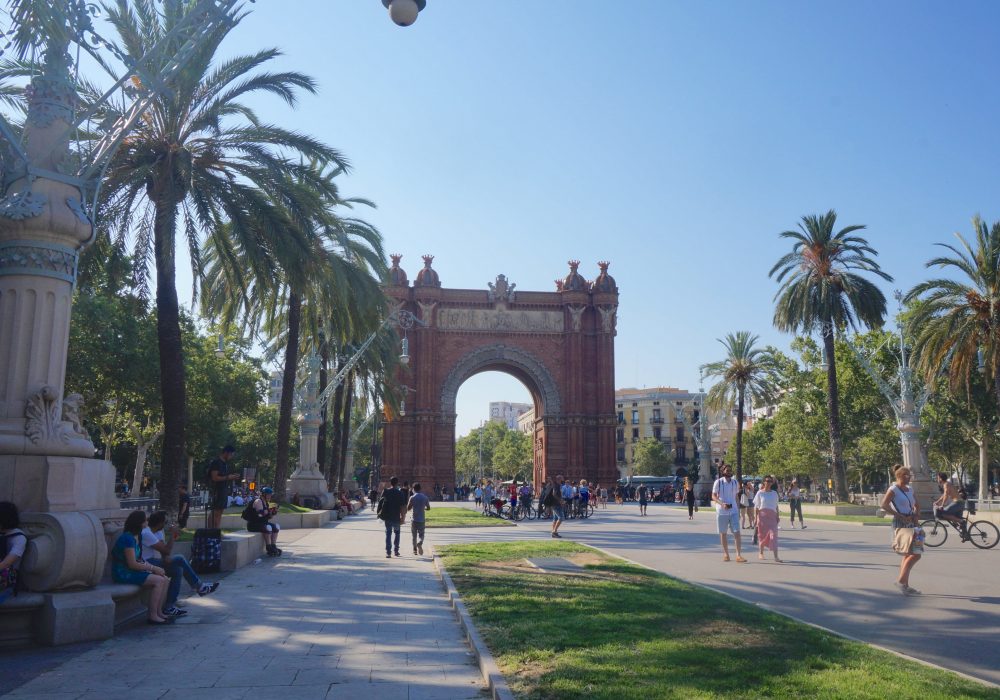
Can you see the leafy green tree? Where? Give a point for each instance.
(792, 452)
(201, 157)
(256, 435)
(822, 289)
(480, 441)
(512, 456)
(958, 322)
(650, 458)
(755, 442)
(747, 373)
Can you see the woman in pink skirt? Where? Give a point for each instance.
(766, 504)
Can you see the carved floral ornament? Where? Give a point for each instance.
(47, 420)
(47, 259)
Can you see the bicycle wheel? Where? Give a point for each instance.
(984, 534)
(530, 512)
(935, 532)
(519, 513)
(590, 509)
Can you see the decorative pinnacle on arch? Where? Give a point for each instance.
(397, 275)
(428, 277)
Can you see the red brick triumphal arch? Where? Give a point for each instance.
(559, 344)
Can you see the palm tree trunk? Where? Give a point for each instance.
(739, 436)
(833, 414)
(287, 394)
(324, 363)
(345, 432)
(168, 335)
(338, 405)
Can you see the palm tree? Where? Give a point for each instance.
(957, 321)
(747, 372)
(822, 288)
(337, 274)
(200, 158)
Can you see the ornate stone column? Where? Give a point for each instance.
(45, 454)
(307, 481)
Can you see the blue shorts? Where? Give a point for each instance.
(557, 513)
(728, 520)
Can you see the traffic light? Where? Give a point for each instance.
(829, 483)
(253, 485)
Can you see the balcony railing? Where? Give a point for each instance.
(656, 420)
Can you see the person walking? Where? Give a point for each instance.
(725, 495)
(901, 501)
(552, 499)
(220, 480)
(765, 503)
(748, 495)
(795, 504)
(643, 499)
(419, 504)
(392, 511)
(689, 496)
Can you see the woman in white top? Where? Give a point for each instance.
(795, 503)
(901, 501)
(766, 503)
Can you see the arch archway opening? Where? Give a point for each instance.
(498, 413)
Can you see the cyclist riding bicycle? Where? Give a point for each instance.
(951, 504)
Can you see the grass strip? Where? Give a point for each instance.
(622, 632)
(851, 518)
(461, 517)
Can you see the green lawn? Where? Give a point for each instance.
(622, 632)
(447, 516)
(850, 518)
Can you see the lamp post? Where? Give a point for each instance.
(307, 481)
(907, 406)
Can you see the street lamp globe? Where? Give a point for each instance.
(404, 12)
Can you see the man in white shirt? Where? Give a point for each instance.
(158, 551)
(725, 495)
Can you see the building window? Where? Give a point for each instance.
(635, 417)
(621, 435)
(680, 435)
(634, 403)
(621, 417)
(635, 434)
(621, 454)
(681, 454)
(656, 434)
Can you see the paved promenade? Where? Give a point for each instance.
(836, 575)
(333, 618)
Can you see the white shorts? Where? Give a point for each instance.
(728, 520)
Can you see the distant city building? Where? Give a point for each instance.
(526, 421)
(274, 388)
(507, 413)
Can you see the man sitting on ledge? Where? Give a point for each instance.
(157, 551)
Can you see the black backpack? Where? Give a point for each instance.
(380, 508)
(249, 513)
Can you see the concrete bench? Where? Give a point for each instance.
(286, 521)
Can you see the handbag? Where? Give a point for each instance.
(903, 541)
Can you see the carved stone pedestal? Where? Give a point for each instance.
(309, 483)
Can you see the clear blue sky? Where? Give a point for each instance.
(674, 139)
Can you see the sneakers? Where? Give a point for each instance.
(174, 611)
(206, 588)
(906, 590)
(557, 535)
(388, 555)
(802, 525)
(912, 591)
(397, 553)
(414, 551)
(420, 549)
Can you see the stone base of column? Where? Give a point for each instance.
(70, 514)
(309, 484)
(926, 491)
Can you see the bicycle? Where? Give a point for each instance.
(981, 533)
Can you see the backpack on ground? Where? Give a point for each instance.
(206, 550)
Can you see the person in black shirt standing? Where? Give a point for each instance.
(220, 480)
(392, 511)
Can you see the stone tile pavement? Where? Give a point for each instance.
(332, 618)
